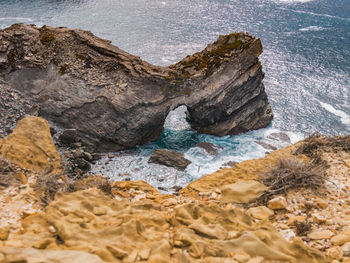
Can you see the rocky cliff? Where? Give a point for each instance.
(47, 217)
(115, 100)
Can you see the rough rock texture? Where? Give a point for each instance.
(169, 158)
(133, 222)
(30, 146)
(120, 231)
(116, 100)
(208, 147)
(32, 255)
(242, 192)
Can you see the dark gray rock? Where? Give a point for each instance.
(266, 146)
(169, 158)
(115, 100)
(68, 136)
(230, 163)
(208, 147)
(280, 136)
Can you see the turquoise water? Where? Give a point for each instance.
(306, 61)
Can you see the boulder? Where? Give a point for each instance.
(30, 146)
(279, 136)
(208, 147)
(116, 101)
(169, 158)
(242, 192)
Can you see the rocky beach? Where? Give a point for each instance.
(69, 98)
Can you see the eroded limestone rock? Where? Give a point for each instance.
(116, 101)
(120, 231)
(30, 146)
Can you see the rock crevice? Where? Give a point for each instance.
(116, 100)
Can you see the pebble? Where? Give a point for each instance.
(277, 203)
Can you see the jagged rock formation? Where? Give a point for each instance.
(120, 231)
(132, 221)
(116, 101)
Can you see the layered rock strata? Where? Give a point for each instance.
(116, 101)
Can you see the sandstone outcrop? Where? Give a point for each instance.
(116, 101)
(30, 146)
(132, 221)
(120, 231)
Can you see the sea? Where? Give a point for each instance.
(306, 61)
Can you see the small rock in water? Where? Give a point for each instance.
(279, 136)
(169, 158)
(230, 163)
(208, 147)
(266, 145)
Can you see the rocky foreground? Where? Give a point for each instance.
(290, 206)
(114, 100)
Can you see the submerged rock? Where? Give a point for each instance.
(280, 136)
(169, 158)
(116, 101)
(208, 147)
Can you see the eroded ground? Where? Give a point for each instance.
(48, 217)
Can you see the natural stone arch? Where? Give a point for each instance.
(116, 101)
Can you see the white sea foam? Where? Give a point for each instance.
(176, 119)
(344, 118)
(311, 28)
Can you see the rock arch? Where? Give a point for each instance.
(116, 100)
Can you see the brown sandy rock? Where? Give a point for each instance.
(346, 249)
(125, 231)
(320, 234)
(341, 238)
(299, 219)
(30, 146)
(32, 255)
(242, 191)
(278, 203)
(335, 253)
(260, 212)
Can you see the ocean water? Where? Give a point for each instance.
(306, 61)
